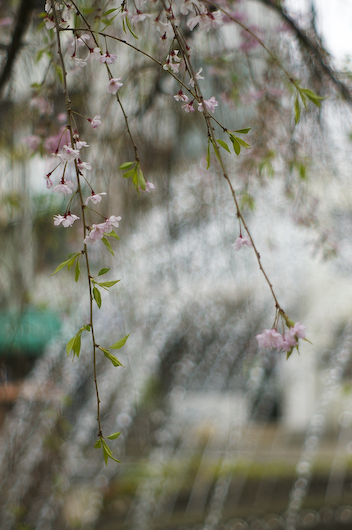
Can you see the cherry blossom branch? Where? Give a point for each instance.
(142, 52)
(180, 39)
(82, 205)
(80, 14)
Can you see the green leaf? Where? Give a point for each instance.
(135, 178)
(113, 234)
(97, 296)
(106, 455)
(289, 354)
(297, 109)
(242, 142)
(107, 22)
(208, 155)
(61, 266)
(314, 98)
(308, 341)
(128, 23)
(119, 343)
(224, 145)
(141, 179)
(111, 357)
(236, 145)
(77, 271)
(129, 174)
(108, 450)
(108, 245)
(69, 345)
(97, 444)
(243, 131)
(87, 327)
(77, 345)
(126, 165)
(114, 436)
(108, 284)
(109, 11)
(103, 271)
(72, 260)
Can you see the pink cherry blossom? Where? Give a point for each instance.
(95, 234)
(164, 28)
(206, 20)
(215, 20)
(139, 17)
(94, 55)
(192, 22)
(113, 86)
(98, 230)
(83, 165)
(112, 221)
(80, 62)
(197, 77)
(172, 62)
(186, 7)
(149, 186)
(80, 41)
(242, 242)
(269, 338)
(81, 144)
(287, 344)
(95, 122)
(300, 330)
(107, 58)
(95, 198)
(65, 187)
(49, 22)
(66, 220)
(210, 105)
(188, 107)
(68, 154)
(180, 96)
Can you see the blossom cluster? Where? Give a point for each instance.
(270, 338)
(98, 230)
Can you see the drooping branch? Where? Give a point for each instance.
(318, 56)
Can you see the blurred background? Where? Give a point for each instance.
(215, 433)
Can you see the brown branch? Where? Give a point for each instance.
(22, 23)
